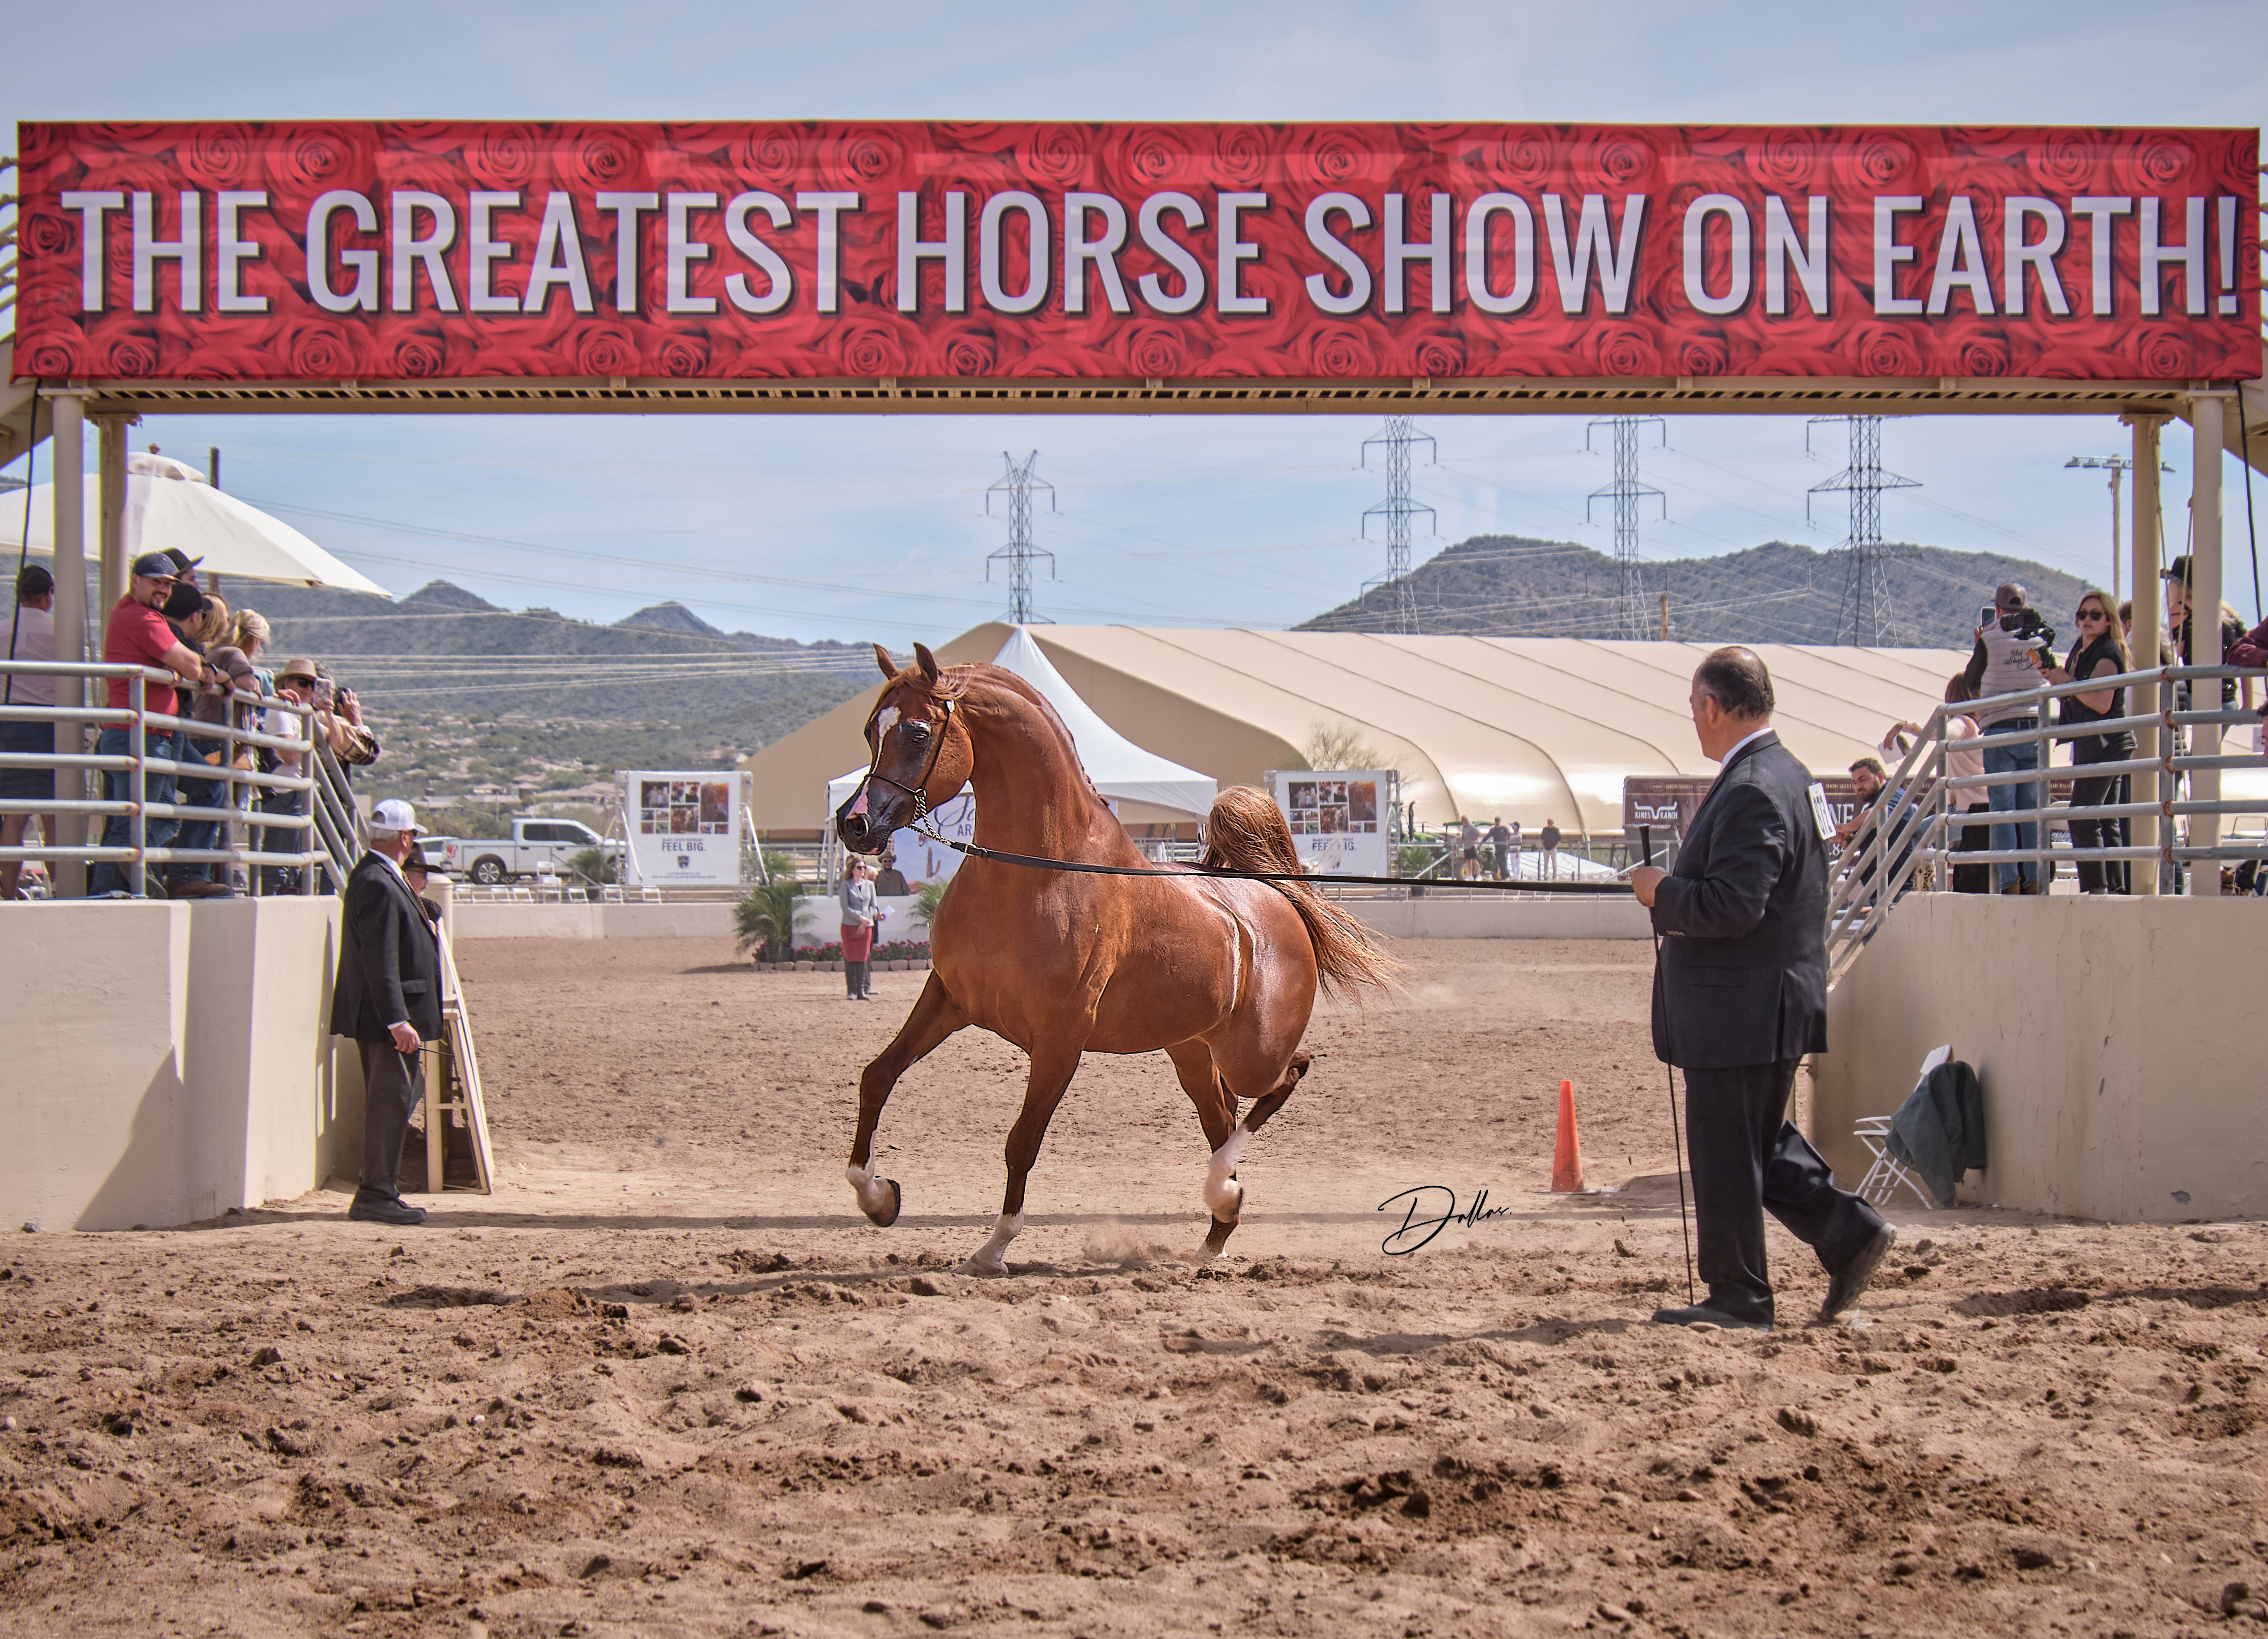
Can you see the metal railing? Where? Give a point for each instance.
(157, 745)
(1907, 841)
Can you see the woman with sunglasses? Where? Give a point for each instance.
(2097, 651)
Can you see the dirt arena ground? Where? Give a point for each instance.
(666, 1381)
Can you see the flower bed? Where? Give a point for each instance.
(886, 957)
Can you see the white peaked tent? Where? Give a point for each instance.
(170, 506)
(1118, 767)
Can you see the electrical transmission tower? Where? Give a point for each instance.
(1633, 613)
(1864, 616)
(1398, 509)
(1017, 484)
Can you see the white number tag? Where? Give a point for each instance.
(1821, 816)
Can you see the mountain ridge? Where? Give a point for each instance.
(1776, 592)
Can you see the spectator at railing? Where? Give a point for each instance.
(248, 633)
(1871, 782)
(137, 634)
(2179, 618)
(2097, 651)
(2136, 652)
(1963, 761)
(352, 740)
(1868, 778)
(216, 703)
(2008, 658)
(1549, 837)
(31, 637)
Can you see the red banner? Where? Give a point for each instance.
(297, 252)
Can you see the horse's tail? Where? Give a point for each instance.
(1246, 832)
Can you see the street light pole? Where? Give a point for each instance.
(2117, 467)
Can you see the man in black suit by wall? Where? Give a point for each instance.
(1740, 995)
(388, 998)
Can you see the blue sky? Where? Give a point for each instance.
(848, 527)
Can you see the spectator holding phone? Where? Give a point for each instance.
(2011, 657)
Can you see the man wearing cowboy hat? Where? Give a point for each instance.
(388, 998)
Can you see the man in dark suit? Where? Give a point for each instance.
(1740, 995)
(389, 999)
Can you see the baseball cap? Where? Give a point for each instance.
(182, 562)
(153, 564)
(2008, 595)
(302, 668)
(394, 816)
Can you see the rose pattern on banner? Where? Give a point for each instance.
(485, 328)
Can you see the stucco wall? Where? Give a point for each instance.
(1612, 916)
(473, 919)
(162, 1063)
(2117, 1039)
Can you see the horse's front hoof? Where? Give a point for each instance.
(984, 1265)
(888, 1215)
(1216, 1238)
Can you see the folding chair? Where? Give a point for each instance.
(1882, 1179)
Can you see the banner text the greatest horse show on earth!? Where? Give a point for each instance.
(324, 252)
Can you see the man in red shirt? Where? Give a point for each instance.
(138, 634)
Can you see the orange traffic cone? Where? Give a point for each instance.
(1567, 1159)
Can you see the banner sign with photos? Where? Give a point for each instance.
(304, 251)
(1338, 820)
(684, 828)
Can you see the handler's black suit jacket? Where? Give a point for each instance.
(389, 959)
(1742, 979)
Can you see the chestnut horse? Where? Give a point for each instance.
(1218, 973)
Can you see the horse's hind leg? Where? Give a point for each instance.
(1224, 1193)
(934, 1017)
(1052, 1069)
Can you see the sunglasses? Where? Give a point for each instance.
(2091, 614)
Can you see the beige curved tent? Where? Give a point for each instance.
(1532, 728)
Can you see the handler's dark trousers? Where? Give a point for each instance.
(392, 1083)
(1748, 1159)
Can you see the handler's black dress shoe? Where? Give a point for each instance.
(1848, 1283)
(370, 1206)
(1702, 1315)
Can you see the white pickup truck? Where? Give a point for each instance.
(536, 846)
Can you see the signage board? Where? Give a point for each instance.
(1341, 821)
(1667, 803)
(328, 251)
(683, 829)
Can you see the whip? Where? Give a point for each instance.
(1676, 1125)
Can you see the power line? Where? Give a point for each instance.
(1016, 485)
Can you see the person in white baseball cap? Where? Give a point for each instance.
(388, 998)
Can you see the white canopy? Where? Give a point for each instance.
(170, 506)
(1118, 767)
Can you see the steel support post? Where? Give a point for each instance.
(110, 493)
(67, 413)
(2142, 643)
(2206, 416)
(137, 788)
